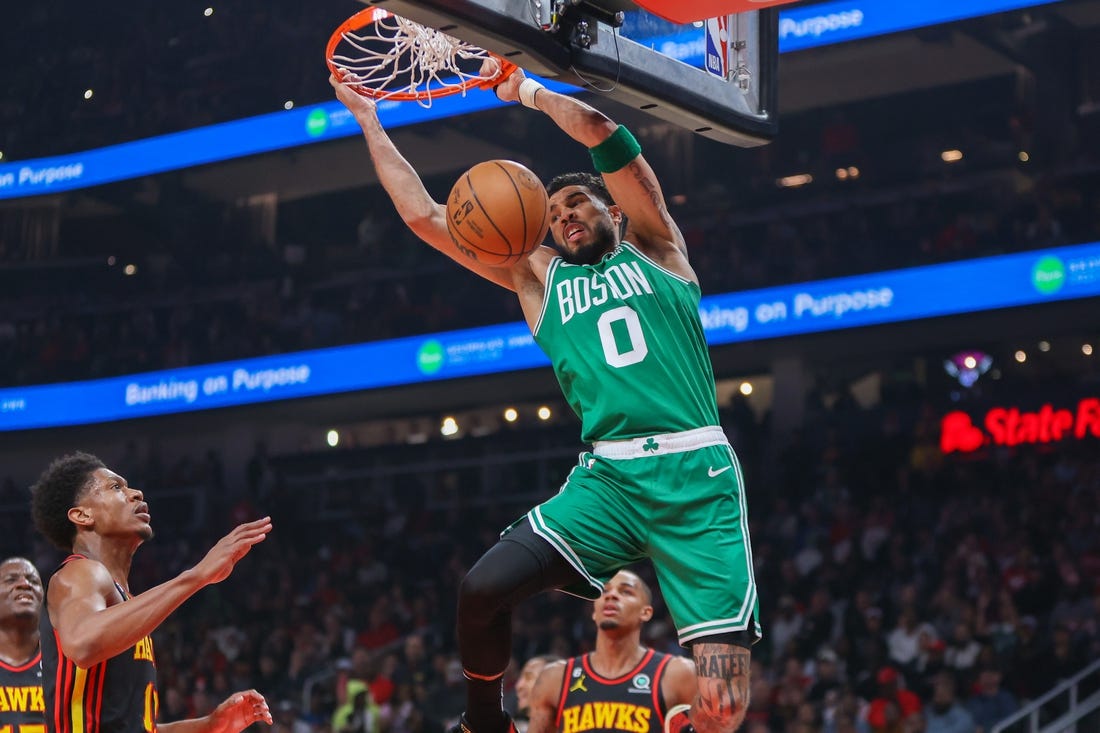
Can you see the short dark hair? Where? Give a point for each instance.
(590, 181)
(57, 491)
(647, 592)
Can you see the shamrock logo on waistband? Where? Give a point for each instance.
(651, 445)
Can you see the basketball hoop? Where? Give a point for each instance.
(395, 58)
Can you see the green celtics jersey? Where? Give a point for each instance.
(627, 346)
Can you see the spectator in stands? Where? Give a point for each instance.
(848, 714)
(889, 719)
(817, 625)
(1063, 659)
(944, 714)
(854, 619)
(908, 639)
(380, 627)
(962, 651)
(868, 653)
(894, 704)
(785, 627)
(990, 703)
(930, 665)
(827, 676)
(359, 714)
(760, 696)
(287, 719)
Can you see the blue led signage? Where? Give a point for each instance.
(864, 300)
(849, 20)
(214, 143)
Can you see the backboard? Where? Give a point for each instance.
(614, 48)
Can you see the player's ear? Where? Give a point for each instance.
(619, 219)
(80, 516)
(647, 613)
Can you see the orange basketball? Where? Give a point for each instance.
(497, 212)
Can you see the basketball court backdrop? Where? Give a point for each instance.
(603, 46)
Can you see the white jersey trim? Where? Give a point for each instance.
(538, 524)
(660, 445)
(550, 270)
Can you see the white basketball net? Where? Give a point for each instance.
(400, 56)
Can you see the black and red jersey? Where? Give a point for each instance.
(21, 703)
(118, 695)
(631, 703)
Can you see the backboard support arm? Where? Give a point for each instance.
(616, 67)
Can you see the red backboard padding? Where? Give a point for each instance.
(689, 11)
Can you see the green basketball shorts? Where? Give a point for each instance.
(677, 499)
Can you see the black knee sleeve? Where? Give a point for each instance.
(520, 565)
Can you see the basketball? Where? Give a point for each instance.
(497, 212)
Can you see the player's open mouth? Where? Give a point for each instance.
(28, 597)
(573, 232)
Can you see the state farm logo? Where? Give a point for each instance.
(1010, 426)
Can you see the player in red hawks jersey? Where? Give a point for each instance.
(621, 687)
(20, 653)
(98, 660)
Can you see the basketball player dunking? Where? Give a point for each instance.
(97, 655)
(621, 687)
(619, 319)
(20, 653)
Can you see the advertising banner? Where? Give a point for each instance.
(790, 310)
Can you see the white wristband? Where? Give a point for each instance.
(528, 88)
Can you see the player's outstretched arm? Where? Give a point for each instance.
(629, 178)
(239, 711)
(91, 631)
(422, 214)
(544, 698)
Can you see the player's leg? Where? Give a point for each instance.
(722, 672)
(572, 541)
(520, 565)
(703, 558)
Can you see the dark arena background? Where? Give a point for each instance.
(202, 282)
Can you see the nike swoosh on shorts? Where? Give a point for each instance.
(712, 473)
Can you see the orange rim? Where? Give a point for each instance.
(371, 15)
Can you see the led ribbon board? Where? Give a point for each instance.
(989, 283)
(1011, 426)
(850, 20)
(799, 28)
(215, 143)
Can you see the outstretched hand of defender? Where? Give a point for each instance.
(220, 561)
(507, 90)
(239, 711)
(356, 103)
